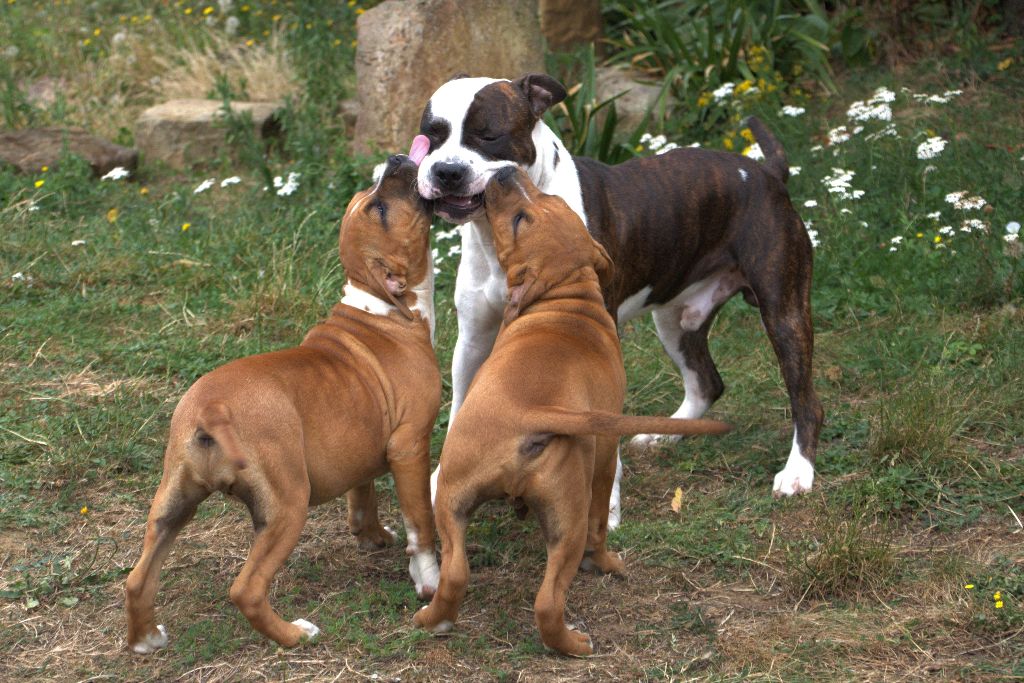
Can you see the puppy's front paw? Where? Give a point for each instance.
(603, 563)
(152, 641)
(309, 630)
(428, 618)
(796, 477)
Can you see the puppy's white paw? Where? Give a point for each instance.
(796, 477)
(642, 441)
(308, 628)
(152, 642)
(425, 573)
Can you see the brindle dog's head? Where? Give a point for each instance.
(540, 241)
(385, 236)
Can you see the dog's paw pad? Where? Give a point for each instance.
(309, 630)
(152, 642)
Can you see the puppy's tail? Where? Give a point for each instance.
(774, 156)
(555, 420)
(215, 423)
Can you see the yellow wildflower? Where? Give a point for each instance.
(743, 87)
(359, 10)
(276, 17)
(245, 8)
(747, 135)
(1005, 64)
(704, 100)
(44, 169)
(86, 42)
(919, 235)
(999, 604)
(207, 10)
(97, 32)
(969, 586)
(188, 10)
(938, 238)
(185, 226)
(337, 42)
(84, 510)
(354, 43)
(250, 42)
(997, 595)
(144, 191)
(351, 3)
(40, 183)
(727, 142)
(112, 215)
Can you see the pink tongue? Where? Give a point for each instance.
(457, 200)
(419, 149)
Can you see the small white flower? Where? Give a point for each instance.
(289, 186)
(931, 148)
(960, 200)
(116, 173)
(723, 91)
(455, 249)
(1012, 237)
(118, 38)
(795, 170)
(892, 248)
(754, 152)
(898, 239)
(1013, 228)
(78, 243)
(790, 110)
(946, 230)
(971, 224)
(18, 277)
(888, 131)
(935, 215)
(838, 135)
(694, 144)
(233, 180)
(845, 210)
(231, 25)
(204, 186)
(810, 203)
(818, 148)
(813, 234)
(32, 206)
(870, 110)
(278, 181)
(667, 147)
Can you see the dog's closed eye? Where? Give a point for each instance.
(516, 220)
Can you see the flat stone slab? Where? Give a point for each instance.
(30, 149)
(184, 133)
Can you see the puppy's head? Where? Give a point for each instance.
(476, 126)
(384, 243)
(540, 241)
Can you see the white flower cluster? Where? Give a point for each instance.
(287, 187)
(813, 234)
(931, 148)
(204, 186)
(972, 224)
(876, 107)
(839, 184)
(960, 200)
(754, 152)
(935, 99)
(1012, 231)
(790, 110)
(723, 91)
(838, 135)
(658, 144)
(895, 242)
(116, 173)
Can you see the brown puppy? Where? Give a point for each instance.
(540, 421)
(285, 430)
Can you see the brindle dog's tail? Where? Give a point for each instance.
(542, 423)
(774, 156)
(215, 424)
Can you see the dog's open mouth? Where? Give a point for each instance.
(456, 207)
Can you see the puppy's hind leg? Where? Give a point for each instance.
(363, 521)
(279, 520)
(173, 506)
(439, 616)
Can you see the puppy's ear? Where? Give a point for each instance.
(542, 91)
(392, 285)
(603, 265)
(522, 296)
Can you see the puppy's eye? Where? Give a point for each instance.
(492, 137)
(382, 211)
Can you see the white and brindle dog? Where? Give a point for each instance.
(686, 231)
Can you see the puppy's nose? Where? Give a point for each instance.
(504, 174)
(449, 176)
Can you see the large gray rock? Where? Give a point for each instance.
(568, 23)
(184, 133)
(32, 148)
(407, 48)
(638, 97)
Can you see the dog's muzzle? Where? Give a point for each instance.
(455, 203)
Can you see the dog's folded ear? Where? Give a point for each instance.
(522, 296)
(542, 91)
(392, 285)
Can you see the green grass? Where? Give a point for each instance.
(918, 362)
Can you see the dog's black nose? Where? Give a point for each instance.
(449, 176)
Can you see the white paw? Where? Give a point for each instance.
(152, 642)
(309, 629)
(796, 477)
(425, 573)
(651, 440)
(442, 628)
